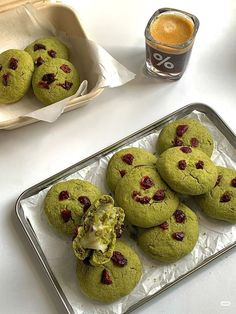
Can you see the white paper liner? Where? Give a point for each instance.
(214, 235)
(24, 24)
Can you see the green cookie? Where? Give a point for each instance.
(44, 49)
(113, 280)
(145, 198)
(67, 201)
(187, 170)
(55, 80)
(220, 202)
(173, 239)
(16, 69)
(185, 132)
(96, 236)
(125, 160)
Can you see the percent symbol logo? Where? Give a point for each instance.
(167, 64)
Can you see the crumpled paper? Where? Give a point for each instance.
(24, 24)
(214, 235)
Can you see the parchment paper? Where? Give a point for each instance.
(24, 24)
(214, 235)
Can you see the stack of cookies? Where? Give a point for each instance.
(44, 63)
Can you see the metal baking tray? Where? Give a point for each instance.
(32, 235)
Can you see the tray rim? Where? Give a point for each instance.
(32, 238)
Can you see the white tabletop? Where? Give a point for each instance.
(33, 153)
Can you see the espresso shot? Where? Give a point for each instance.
(169, 35)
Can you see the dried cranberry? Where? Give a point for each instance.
(39, 61)
(181, 129)
(182, 164)
(128, 159)
(186, 149)
(84, 200)
(143, 200)
(177, 142)
(164, 225)
(135, 194)
(13, 64)
(233, 182)
(52, 53)
(48, 78)
(179, 216)
(122, 173)
(225, 197)
(66, 85)
(106, 277)
(146, 182)
(43, 85)
(199, 164)
(119, 259)
(179, 236)
(194, 142)
(5, 78)
(64, 195)
(66, 214)
(218, 179)
(119, 230)
(159, 195)
(65, 68)
(0, 67)
(39, 46)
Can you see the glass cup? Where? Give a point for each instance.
(169, 36)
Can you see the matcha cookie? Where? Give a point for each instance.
(45, 49)
(185, 132)
(113, 280)
(172, 239)
(100, 226)
(145, 198)
(55, 80)
(67, 201)
(16, 69)
(187, 170)
(125, 160)
(220, 202)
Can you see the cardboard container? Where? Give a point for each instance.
(70, 25)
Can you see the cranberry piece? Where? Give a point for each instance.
(65, 68)
(64, 195)
(128, 159)
(143, 200)
(119, 231)
(179, 216)
(159, 195)
(52, 53)
(122, 173)
(0, 67)
(218, 179)
(199, 164)
(39, 61)
(164, 225)
(66, 85)
(186, 149)
(39, 46)
(13, 64)
(233, 182)
(43, 85)
(146, 182)
(84, 200)
(48, 78)
(182, 164)
(194, 142)
(5, 78)
(181, 129)
(179, 236)
(225, 197)
(66, 214)
(106, 277)
(135, 194)
(119, 259)
(177, 142)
